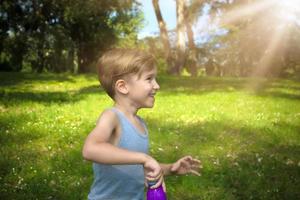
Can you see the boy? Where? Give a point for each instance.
(118, 145)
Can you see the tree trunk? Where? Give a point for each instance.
(82, 59)
(40, 54)
(40, 62)
(70, 60)
(180, 44)
(163, 34)
(192, 68)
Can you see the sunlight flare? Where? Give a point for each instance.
(271, 50)
(284, 10)
(289, 5)
(268, 20)
(244, 11)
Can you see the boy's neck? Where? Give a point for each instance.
(128, 110)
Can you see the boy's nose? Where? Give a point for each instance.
(156, 86)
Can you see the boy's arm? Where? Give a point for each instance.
(97, 147)
(166, 168)
(185, 165)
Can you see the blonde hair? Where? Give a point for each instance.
(115, 64)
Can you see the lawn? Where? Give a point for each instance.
(245, 131)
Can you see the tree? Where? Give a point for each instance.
(186, 16)
(163, 35)
(180, 41)
(96, 25)
(50, 34)
(189, 18)
(13, 39)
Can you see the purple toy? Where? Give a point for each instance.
(157, 193)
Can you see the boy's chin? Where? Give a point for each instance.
(148, 105)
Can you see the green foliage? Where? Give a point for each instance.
(247, 137)
(63, 36)
(128, 28)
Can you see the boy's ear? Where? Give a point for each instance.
(121, 86)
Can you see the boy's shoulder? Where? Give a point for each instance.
(108, 115)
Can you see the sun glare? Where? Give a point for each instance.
(288, 10)
(275, 15)
(244, 11)
(289, 5)
(285, 10)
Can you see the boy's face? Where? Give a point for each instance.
(142, 89)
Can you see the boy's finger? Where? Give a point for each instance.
(164, 187)
(195, 161)
(187, 158)
(195, 172)
(151, 177)
(185, 164)
(158, 183)
(154, 173)
(197, 166)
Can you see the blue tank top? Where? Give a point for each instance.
(122, 182)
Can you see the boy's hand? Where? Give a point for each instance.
(186, 165)
(162, 181)
(153, 172)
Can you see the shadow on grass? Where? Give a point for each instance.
(9, 97)
(169, 85)
(93, 89)
(15, 78)
(201, 85)
(15, 96)
(279, 95)
(40, 97)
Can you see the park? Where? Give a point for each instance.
(230, 97)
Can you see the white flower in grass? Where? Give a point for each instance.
(160, 149)
(52, 182)
(289, 162)
(258, 174)
(217, 162)
(259, 159)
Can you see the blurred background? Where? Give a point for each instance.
(188, 37)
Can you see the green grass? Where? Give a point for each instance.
(245, 131)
